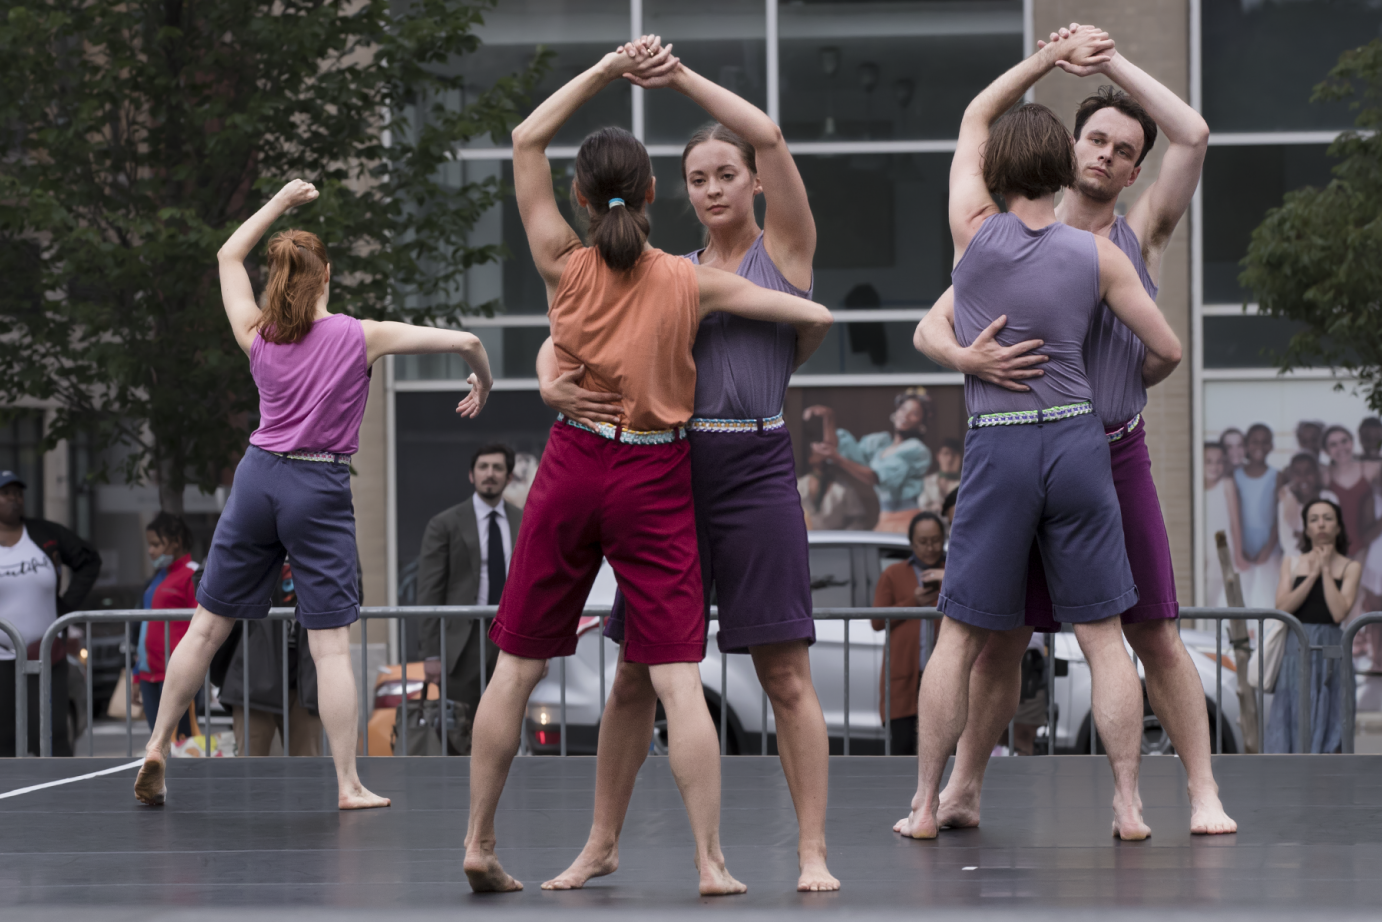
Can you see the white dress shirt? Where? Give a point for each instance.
(483, 511)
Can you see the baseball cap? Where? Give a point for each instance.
(9, 477)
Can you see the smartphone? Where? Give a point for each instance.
(813, 430)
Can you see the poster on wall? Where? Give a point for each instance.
(871, 458)
(1270, 448)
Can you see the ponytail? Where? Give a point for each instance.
(298, 273)
(613, 165)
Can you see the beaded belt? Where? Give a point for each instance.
(326, 457)
(1022, 417)
(628, 436)
(1126, 429)
(736, 425)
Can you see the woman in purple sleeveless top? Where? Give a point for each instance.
(292, 488)
(1036, 461)
(749, 521)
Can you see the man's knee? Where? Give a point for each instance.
(784, 671)
(1002, 653)
(632, 688)
(1155, 641)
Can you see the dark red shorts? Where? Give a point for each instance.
(595, 497)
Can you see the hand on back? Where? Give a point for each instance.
(587, 407)
(1006, 366)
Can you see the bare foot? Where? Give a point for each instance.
(716, 879)
(1127, 821)
(958, 811)
(1207, 816)
(150, 786)
(359, 797)
(917, 825)
(815, 876)
(486, 875)
(591, 862)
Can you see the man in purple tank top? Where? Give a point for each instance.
(1114, 132)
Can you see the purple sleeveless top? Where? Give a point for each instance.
(1113, 356)
(312, 392)
(1047, 282)
(743, 366)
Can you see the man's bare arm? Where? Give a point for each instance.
(984, 358)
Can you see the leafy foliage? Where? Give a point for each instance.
(1318, 258)
(139, 134)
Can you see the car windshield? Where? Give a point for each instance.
(832, 577)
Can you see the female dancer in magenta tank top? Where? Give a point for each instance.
(292, 488)
(624, 316)
(748, 513)
(1036, 462)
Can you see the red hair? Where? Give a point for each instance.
(298, 273)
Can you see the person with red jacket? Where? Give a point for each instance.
(169, 541)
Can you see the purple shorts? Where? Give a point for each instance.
(1049, 482)
(277, 506)
(752, 537)
(1144, 536)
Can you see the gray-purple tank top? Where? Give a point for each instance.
(1113, 356)
(743, 366)
(1047, 283)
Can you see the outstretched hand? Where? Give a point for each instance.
(474, 402)
(297, 192)
(1081, 50)
(1006, 366)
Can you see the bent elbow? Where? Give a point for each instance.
(522, 135)
(1173, 355)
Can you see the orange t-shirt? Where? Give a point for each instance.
(633, 333)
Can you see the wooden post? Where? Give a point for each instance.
(1238, 635)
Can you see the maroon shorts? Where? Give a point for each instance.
(1144, 536)
(631, 504)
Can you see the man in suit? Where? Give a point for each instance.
(465, 561)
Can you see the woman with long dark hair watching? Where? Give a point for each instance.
(623, 317)
(1318, 586)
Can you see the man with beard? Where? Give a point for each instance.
(465, 561)
(1113, 133)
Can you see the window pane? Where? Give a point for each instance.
(722, 40)
(578, 31)
(1240, 185)
(1246, 342)
(879, 71)
(1262, 59)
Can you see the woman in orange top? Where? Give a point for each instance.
(911, 583)
(626, 314)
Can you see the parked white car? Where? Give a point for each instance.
(845, 567)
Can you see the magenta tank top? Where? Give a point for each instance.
(743, 366)
(1113, 356)
(1047, 283)
(312, 392)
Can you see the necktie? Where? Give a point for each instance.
(497, 570)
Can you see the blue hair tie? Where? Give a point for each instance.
(614, 201)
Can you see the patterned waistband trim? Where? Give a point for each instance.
(736, 425)
(1124, 430)
(628, 436)
(324, 457)
(1023, 417)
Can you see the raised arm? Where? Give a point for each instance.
(390, 338)
(725, 291)
(984, 358)
(970, 201)
(1123, 292)
(550, 238)
(789, 228)
(236, 291)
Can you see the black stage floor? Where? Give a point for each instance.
(240, 833)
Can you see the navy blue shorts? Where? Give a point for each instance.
(1048, 481)
(278, 506)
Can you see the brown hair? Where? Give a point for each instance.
(1029, 153)
(1113, 98)
(1340, 540)
(714, 131)
(298, 271)
(614, 164)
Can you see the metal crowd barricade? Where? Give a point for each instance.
(1349, 689)
(21, 689)
(485, 613)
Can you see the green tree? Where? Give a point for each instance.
(1318, 258)
(137, 135)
